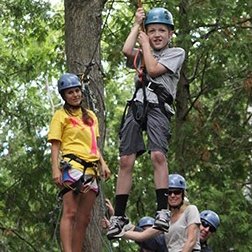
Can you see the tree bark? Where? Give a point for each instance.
(83, 26)
(182, 96)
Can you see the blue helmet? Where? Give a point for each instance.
(68, 80)
(159, 16)
(211, 217)
(146, 221)
(177, 181)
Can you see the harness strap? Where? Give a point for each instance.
(81, 161)
(163, 95)
(140, 70)
(81, 181)
(75, 187)
(124, 114)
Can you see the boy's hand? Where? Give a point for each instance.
(140, 16)
(143, 38)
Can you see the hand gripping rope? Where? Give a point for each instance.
(140, 70)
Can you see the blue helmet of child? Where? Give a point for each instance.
(146, 221)
(177, 181)
(68, 80)
(211, 217)
(159, 16)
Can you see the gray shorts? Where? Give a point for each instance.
(158, 133)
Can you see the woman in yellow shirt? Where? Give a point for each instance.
(73, 136)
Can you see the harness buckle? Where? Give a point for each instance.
(148, 86)
(64, 165)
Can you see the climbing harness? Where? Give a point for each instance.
(82, 181)
(140, 109)
(56, 213)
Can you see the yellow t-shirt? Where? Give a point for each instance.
(76, 137)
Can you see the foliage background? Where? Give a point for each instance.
(211, 144)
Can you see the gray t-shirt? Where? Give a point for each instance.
(172, 59)
(177, 235)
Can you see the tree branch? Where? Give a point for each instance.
(5, 229)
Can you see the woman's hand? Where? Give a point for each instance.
(57, 176)
(105, 171)
(110, 208)
(105, 223)
(109, 212)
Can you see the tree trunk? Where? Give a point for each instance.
(83, 23)
(182, 92)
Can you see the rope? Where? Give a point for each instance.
(91, 63)
(103, 207)
(140, 69)
(85, 78)
(99, 38)
(55, 219)
(56, 216)
(140, 5)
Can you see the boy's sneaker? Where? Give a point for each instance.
(162, 220)
(118, 226)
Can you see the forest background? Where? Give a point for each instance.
(211, 142)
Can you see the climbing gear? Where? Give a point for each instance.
(163, 95)
(210, 217)
(68, 80)
(55, 215)
(159, 16)
(64, 165)
(177, 181)
(165, 99)
(140, 5)
(162, 220)
(85, 164)
(140, 70)
(146, 221)
(139, 111)
(76, 186)
(88, 94)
